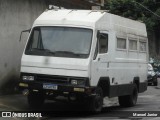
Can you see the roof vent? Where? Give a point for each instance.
(52, 7)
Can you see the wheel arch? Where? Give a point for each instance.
(136, 81)
(104, 83)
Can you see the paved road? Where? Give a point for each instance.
(147, 101)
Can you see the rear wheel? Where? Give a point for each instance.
(149, 84)
(35, 100)
(129, 100)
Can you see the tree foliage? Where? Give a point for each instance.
(134, 9)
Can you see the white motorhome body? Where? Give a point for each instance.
(78, 51)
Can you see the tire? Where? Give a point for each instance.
(149, 84)
(96, 103)
(155, 83)
(129, 100)
(35, 100)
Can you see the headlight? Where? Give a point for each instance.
(29, 78)
(78, 82)
(74, 82)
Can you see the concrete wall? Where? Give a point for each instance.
(15, 16)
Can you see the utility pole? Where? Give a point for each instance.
(147, 9)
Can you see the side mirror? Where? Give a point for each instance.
(23, 32)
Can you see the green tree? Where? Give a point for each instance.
(137, 10)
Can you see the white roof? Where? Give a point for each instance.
(78, 17)
(91, 19)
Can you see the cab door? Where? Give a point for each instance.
(100, 63)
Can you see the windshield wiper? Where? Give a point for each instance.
(58, 53)
(67, 53)
(43, 50)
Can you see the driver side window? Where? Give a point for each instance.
(103, 43)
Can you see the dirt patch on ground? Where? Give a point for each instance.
(9, 85)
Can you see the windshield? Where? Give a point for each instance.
(60, 42)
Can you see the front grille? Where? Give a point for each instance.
(52, 79)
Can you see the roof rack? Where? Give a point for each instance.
(56, 8)
(100, 11)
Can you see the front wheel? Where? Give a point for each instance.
(96, 103)
(129, 100)
(35, 100)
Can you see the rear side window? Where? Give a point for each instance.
(121, 43)
(103, 43)
(133, 44)
(142, 46)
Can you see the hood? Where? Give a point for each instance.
(55, 65)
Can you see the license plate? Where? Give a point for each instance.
(50, 86)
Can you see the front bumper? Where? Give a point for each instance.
(61, 88)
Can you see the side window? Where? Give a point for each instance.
(142, 46)
(121, 43)
(103, 43)
(133, 44)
